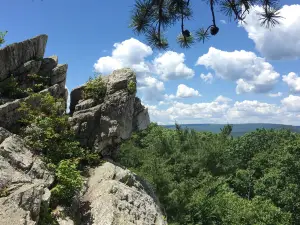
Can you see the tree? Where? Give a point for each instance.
(153, 17)
(2, 35)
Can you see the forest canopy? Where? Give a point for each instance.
(206, 178)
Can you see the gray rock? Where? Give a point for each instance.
(48, 64)
(101, 127)
(75, 96)
(9, 114)
(30, 67)
(116, 196)
(58, 74)
(24, 182)
(119, 79)
(15, 55)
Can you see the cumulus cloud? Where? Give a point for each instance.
(170, 66)
(207, 78)
(133, 54)
(223, 21)
(293, 82)
(274, 95)
(152, 89)
(222, 110)
(280, 42)
(129, 53)
(292, 103)
(251, 73)
(184, 91)
(221, 98)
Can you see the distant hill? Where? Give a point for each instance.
(238, 129)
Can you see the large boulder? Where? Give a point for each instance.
(24, 182)
(117, 196)
(101, 124)
(15, 55)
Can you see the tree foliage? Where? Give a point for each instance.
(47, 131)
(95, 88)
(2, 36)
(206, 178)
(153, 17)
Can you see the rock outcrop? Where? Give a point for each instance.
(117, 196)
(24, 182)
(21, 59)
(101, 124)
(112, 195)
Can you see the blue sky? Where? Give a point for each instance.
(244, 74)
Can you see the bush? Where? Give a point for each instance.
(2, 35)
(10, 88)
(69, 183)
(95, 88)
(131, 87)
(47, 131)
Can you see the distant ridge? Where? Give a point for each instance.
(238, 129)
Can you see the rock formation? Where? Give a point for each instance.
(112, 195)
(117, 196)
(101, 125)
(24, 182)
(24, 58)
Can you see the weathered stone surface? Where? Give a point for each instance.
(9, 114)
(58, 74)
(102, 125)
(75, 96)
(23, 182)
(119, 79)
(48, 64)
(32, 66)
(141, 118)
(15, 55)
(117, 196)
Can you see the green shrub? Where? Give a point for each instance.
(95, 88)
(10, 88)
(47, 130)
(131, 87)
(69, 183)
(2, 35)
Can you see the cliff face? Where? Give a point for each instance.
(17, 62)
(101, 124)
(113, 194)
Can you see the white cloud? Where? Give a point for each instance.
(207, 78)
(170, 66)
(251, 73)
(274, 95)
(292, 103)
(184, 91)
(221, 98)
(129, 53)
(223, 21)
(222, 111)
(151, 89)
(107, 64)
(293, 82)
(280, 42)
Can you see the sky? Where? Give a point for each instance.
(244, 74)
